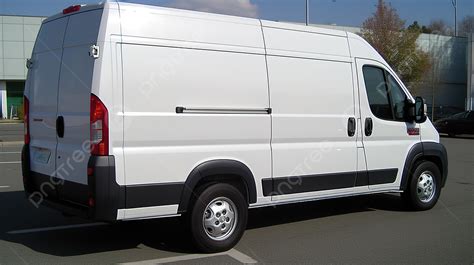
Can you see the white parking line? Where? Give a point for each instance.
(9, 153)
(235, 254)
(4, 187)
(14, 162)
(241, 257)
(54, 228)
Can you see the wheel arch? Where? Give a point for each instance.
(433, 152)
(227, 170)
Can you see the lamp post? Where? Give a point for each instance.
(455, 5)
(307, 12)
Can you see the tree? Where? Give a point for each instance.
(415, 26)
(386, 32)
(426, 30)
(466, 26)
(440, 27)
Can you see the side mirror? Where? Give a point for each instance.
(420, 110)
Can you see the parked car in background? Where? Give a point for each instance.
(442, 112)
(461, 123)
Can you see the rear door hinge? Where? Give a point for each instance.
(29, 63)
(94, 51)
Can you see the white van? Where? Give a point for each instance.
(136, 112)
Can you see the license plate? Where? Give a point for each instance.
(42, 156)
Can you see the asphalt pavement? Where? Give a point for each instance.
(362, 230)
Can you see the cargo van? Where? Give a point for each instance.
(136, 112)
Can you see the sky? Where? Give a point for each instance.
(339, 12)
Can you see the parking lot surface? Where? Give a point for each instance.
(362, 230)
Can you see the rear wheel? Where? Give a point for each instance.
(424, 187)
(218, 218)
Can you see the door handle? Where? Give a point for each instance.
(60, 126)
(369, 126)
(351, 127)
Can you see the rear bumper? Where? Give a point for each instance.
(99, 200)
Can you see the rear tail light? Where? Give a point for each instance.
(71, 9)
(99, 120)
(26, 117)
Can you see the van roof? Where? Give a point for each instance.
(362, 48)
(206, 15)
(236, 19)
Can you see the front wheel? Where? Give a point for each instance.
(424, 187)
(218, 218)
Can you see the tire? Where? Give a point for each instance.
(218, 218)
(424, 187)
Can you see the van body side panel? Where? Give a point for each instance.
(162, 146)
(282, 40)
(217, 64)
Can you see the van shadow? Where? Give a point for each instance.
(167, 235)
(291, 213)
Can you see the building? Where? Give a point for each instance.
(17, 38)
(445, 85)
(454, 69)
(470, 82)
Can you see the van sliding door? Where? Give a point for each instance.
(314, 150)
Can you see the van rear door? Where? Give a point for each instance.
(42, 92)
(74, 97)
(59, 92)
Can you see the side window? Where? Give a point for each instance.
(398, 99)
(377, 92)
(386, 98)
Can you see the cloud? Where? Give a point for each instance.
(242, 8)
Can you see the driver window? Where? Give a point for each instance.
(398, 99)
(386, 97)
